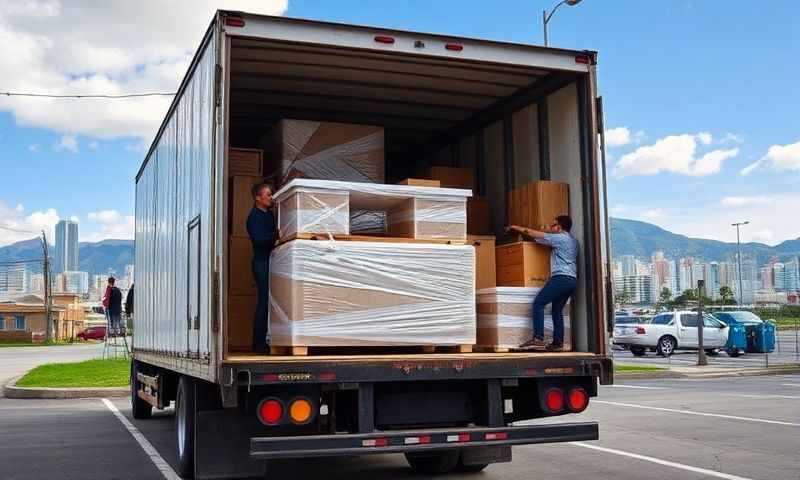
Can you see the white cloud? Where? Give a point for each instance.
(131, 47)
(731, 138)
(617, 137)
(22, 226)
(764, 235)
(94, 146)
(784, 157)
(654, 214)
(674, 153)
(34, 147)
(68, 143)
(111, 224)
(736, 202)
(75, 219)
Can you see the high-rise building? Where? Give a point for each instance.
(76, 282)
(640, 289)
(97, 287)
(628, 265)
(14, 280)
(749, 278)
(713, 284)
(779, 276)
(767, 279)
(792, 275)
(661, 271)
(66, 257)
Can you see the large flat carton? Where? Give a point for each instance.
(306, 210)
(427, 219)
(325, 150)
(536, 204)
(478, 218)
(505, 317)
(245, 161)
(522, 264)
(346, 293)
(485, 265)
(450, 177)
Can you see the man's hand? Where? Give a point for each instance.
(528, 232)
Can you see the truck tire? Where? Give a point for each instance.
(638, 351)
(460, 467)
(140, 409)
(184, 426)
(434, 463)
(712, 352)
(666, 345)
(732, 352)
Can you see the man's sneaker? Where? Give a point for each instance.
(555, 347)
(533, 344)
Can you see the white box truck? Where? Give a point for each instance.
(513, 113)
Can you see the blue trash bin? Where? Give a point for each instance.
(764, 338)
(737, 339)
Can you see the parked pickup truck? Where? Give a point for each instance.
(672, 331)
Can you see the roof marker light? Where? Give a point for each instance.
(454, 47)
(234, 21)
(584, 59)
(384, 39)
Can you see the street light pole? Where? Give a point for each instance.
(739, 258)
(702, 360)
(546, 16)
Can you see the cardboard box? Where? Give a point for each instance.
(314, 212)
(478, 219)
(505, 317)
(485, 266)
(420, 182)
(326, 151)
(241, 315)
(537, 204)
(245, 161)
(451, 177)
(372, 293)
(425, 219)
(241, 202)
(240, 274)
(522, 264)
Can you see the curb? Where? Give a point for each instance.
(751, 372)
(12, 391)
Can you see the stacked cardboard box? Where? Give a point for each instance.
(245, 161)
(372, 293)
(425, 219)
(537, 204)
(450, 177)
(522, 264)
(485, 265)
(505, 318)
(311, 211)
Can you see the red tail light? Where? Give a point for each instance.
(640, 331)
(234, 22)
(496, 436)
(270, 411)
(578, 400)
(384, 39)
(584, 59)
(554, 400)
(375, 442)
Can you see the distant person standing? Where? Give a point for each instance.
(129, 303)
(562, 283)
(114, 307)
(262, 231)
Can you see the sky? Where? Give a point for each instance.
(700, 96)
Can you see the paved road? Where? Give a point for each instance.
(741, 428)
(18, 360)
(788, 354)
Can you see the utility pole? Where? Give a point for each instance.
(48, 297)
(702, 360)
(739, 258)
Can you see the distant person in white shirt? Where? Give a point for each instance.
(562, 282)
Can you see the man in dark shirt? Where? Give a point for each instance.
(115, 308)
(262, 231)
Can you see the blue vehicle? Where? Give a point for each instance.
(749, 333)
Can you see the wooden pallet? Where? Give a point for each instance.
(367, 238)
(493, 349)
(312, 351)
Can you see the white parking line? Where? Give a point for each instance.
(616, 385)
(151, 452)
(681, 466)
(747, 395)
(702, 414)
(790, 384)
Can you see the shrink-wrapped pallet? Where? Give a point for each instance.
(307, 210)
(342, 293)
(505, 317)
(425, 219)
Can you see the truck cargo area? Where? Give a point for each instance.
(441, 101)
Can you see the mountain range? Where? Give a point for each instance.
(628, 237)
(93, 257)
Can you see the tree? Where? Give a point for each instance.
(727, 295)
(664, 299)
(622, 298)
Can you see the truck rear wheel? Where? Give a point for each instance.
(434, 463)
(184, 426)
(139, 408)
(638, 351)
(470, 468)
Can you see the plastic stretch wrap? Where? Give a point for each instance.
(311, 211)
(369, 192)
(326, 150)
(367, 221)
(430, 219)
(328, 293)
(505, 317)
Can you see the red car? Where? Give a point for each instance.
(93, 333)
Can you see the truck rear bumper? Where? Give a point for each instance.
(263, 448)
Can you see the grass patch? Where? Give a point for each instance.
(34, 344)
(89, 373)
(621, 368)
(786, 323)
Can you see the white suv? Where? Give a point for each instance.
(672, 331)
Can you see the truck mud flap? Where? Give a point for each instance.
(417, 440)
(222, 441)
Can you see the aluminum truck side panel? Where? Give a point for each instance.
(173, 227)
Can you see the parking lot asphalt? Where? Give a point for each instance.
(733, 428)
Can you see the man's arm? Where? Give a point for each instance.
(260, 235)
(528, 232)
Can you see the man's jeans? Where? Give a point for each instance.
(556, 291)
(260, 327)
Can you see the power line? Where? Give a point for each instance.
(18, 230)
(127, 95)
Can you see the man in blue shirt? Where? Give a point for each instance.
(262, 231)
(562, 282)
